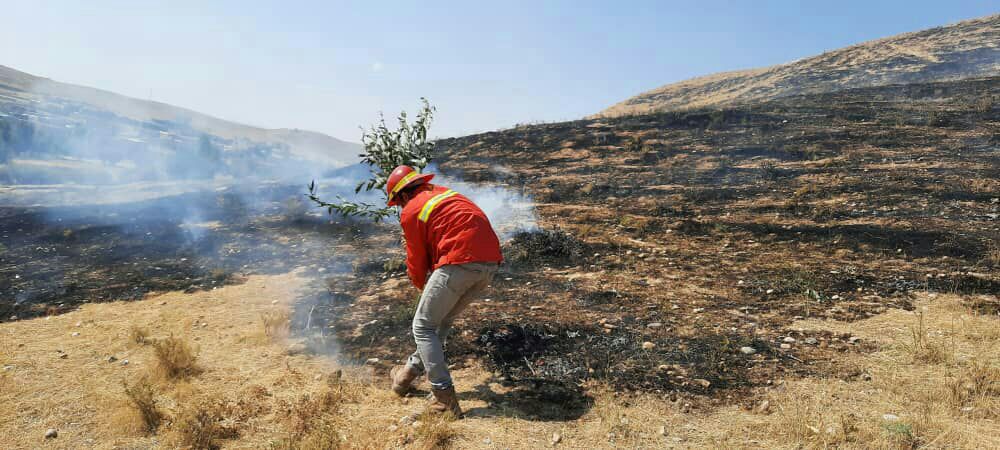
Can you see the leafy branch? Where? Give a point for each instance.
(385, 149)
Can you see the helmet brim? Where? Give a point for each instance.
(417, 180)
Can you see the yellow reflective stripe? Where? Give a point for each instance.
(425, 213)
(402, 182)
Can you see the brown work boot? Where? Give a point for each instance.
(402, 379)
(445, 400)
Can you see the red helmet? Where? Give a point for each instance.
(400, 178)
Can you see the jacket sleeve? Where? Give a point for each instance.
(417, 257)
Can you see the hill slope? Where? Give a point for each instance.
(962, 50)
(46, 102)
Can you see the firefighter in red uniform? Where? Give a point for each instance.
(452, 254)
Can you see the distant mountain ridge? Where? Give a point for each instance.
(20, 91)
(962, 50)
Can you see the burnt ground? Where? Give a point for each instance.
(697, 233)
(703, 232)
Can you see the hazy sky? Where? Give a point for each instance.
(331, 66)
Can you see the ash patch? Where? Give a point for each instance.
(544, 246)
(570, 355)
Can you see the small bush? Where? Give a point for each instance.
(175, 358)
(142, 398)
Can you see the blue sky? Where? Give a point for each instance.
(331, 66)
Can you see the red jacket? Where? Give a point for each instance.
(443, 227)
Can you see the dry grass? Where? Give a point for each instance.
(175, 358)
(201, 423)
(922, 348)
(143, 408)
(138, 335)
(276, 324)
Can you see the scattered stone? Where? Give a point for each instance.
(556, 438)
(764, 407)
(416, 424)
(6, 368)
(748, 350)
(663, 367)
(487, 441)
(13, 317)
(75, 334)
(788, 340)
(702, 382)
(124, 362)
(406, 420)
(654, 325)
(648, 345)
(609, 326)
(63, 356)
(51, 433)
(698, 310)
(811, 341)
(535, 307)
(78, 324)
(853, 339)
(686, 408)
(393, 428)
(662, 430)
(769, 291)
(786, 346)
(112, 359)
(297, 348)
(371, 361)
(966, 409)
(890, 417)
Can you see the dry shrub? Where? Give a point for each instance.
(276, 324)
(175, 358)
(977, 386)
(138, 335)
(141, 397)
(319, 420)
(922, 348)
(201, 423)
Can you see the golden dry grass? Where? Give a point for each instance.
(250, 394)
(175, 358)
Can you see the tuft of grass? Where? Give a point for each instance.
(276, 324)
(435, 432)
(201, 424)
(977, 385)
(175, 358)
(141, 397)
(923, 349)
(138, 335)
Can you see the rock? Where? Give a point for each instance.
(662, 430)
(966, 409)
(702, 382)
(764, 407)
(769, 291)
(63, 356)
(75, 334)
(371, 361)
(609, 326)
(786, 346)
(124, 362)
(416, 424)
(556, 438)
(393, 428)
(51, 433)
(663, 368)
(6, 368)
(297, 348)
(654, 325)
(686, 408)
(648, 345)
(811, 341)
(788, 340)
(78, 324)
(748, 350)
(853, 339)
(535, 307)
(890, 417)
(112, 359)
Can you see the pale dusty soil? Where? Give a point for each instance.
(81, 394)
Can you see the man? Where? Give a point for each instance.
(450, 238)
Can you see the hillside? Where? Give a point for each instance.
(962, 50)
(77, 121)
(818, 272)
